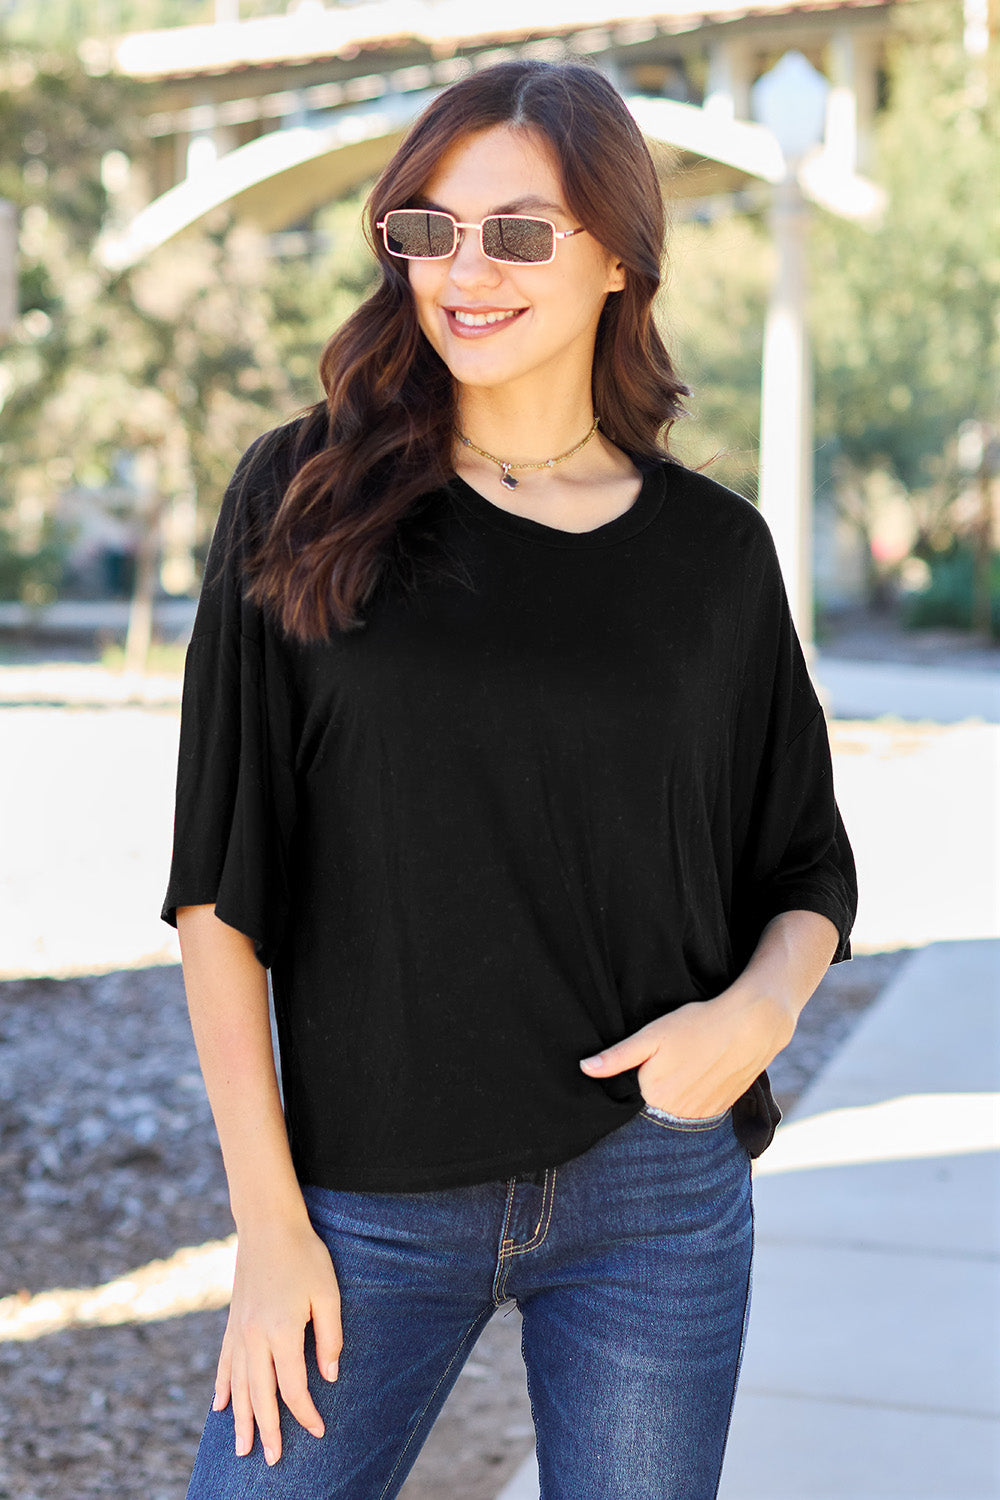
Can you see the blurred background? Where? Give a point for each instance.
(181, 235)
(181, 184)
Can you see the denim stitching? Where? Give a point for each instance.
(498, 1294)
(711, 1122)
(502, 1294)
(545, 1218)
(508, 1249)
(482, 1319)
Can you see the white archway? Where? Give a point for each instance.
(275, 180)
(282, 177)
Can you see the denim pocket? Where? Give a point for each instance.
(683, 1122)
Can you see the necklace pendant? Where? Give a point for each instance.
(507, 479)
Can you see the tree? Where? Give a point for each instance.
(159, 376)
(905, 317)
(55, 126)
(173, 361)
(712, 313)
(47, 23)
(315, 288)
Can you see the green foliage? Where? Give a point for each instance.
(174, 359)
(312, 293)
(188, 356)
(906, 318)
(213, 338)
(56, 123)
(712, 315)
(33, 575)
(947, 599)
(44, 23)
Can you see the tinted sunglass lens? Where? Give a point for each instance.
(511, 238)
(419, 235)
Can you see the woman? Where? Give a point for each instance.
(498, 749)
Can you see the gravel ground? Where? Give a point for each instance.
(108, 1162)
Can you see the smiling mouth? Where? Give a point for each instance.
(479, 322)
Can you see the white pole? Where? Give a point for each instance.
(786, 437)
(791, 100)
(8, 267)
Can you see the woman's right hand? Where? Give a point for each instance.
(284, 1276)
(284, 1280)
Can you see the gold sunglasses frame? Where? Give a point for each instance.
(557, 234)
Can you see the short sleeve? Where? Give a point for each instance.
(235, 797)
(793, 851)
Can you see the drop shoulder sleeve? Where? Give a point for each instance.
(792, 850)
(235, 796)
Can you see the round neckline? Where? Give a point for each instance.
(638, 516)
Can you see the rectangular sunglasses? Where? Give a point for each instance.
(512, 239)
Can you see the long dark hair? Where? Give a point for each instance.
(390, 406)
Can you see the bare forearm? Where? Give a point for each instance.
(284, 1276)
(227, 999)
(793, 954)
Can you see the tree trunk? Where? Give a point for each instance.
(140, 615)
(982, 603)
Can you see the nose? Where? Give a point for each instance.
(469, 265)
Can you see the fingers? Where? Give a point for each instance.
(290, 1368)
(290, 1364)
(246, 1376)
(263, 1352)
(243, 1404)
(260, 1371)
(263, 1405)
(329, 1334)
(223, 1383)
(628, 1053)
(255, 1400)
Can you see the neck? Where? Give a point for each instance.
(519, 432)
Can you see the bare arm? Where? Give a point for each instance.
(698, 1059)
(284, 1276)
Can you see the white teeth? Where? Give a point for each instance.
(482, 320)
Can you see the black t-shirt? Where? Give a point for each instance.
(553, 792)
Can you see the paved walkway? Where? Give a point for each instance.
(922, 808)
(850, 689)
(869, 689)
(85, 616)
(872, 1366)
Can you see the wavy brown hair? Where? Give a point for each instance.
(387, 425)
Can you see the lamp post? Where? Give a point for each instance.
(790, 101)
(8, 267)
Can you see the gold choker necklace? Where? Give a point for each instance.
(506, 477)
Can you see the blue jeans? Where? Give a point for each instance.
(631, 1265)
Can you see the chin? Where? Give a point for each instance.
(473, 372)
(473, 365)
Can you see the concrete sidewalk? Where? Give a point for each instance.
(872, 1366)
(869, 689)
(849, 689)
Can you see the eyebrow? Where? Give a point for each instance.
(515, 206)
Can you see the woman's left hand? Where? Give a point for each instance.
(697, 1060)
